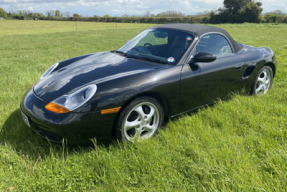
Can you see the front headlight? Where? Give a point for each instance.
(67, 103)
(50, 70)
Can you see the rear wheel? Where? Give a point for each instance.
(140, 119)
(263, 81)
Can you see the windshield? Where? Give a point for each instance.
(159, 45)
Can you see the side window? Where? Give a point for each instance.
(215, 44)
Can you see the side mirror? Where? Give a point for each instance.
(204, 57)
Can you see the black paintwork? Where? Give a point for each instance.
(119, 79)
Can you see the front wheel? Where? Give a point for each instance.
(140, 119)
(263, 81)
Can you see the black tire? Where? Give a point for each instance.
(263, 81)
(132, 124)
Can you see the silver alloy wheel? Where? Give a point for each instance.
(142, 121)
(263, 82)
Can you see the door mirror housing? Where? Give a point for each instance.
(204, 57)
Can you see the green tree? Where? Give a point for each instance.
(50, 13)
(251, 12)
(76, 15)
(237, 11)
(171, 13)
(58, 13)
(234, 6)
(3, 13)
(276, 12)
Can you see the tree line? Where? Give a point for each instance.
(233, 11)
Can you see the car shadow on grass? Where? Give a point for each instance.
(22, 139)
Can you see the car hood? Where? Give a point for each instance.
(96, 68)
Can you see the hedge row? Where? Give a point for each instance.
(196, 19)
(188, 19)
(274, 19)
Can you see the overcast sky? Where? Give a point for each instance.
(130, 7)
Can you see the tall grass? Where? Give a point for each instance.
(235, 145)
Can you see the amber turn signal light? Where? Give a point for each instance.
(56, 108)
(112, 110)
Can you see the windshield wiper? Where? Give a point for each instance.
(119, 52)
(139, 57)
(149, 59)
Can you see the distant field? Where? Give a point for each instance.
(16, 27)
(236, 145)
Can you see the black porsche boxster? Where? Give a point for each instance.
(127, 93)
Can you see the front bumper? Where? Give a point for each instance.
(77, 128)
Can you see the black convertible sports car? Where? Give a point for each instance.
(128, 93)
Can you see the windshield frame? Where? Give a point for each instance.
(189, 37)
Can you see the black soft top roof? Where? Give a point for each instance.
(202, 29)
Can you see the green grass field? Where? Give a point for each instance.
(236, 145)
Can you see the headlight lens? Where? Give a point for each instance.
(50, 70)
(70, 102)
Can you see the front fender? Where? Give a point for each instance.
(163, 82)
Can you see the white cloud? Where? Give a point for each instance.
(131, 7)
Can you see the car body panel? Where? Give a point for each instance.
(205, 82)
(120, 79)
(78, 127)
(96, 68)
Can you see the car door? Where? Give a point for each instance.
(203, 83)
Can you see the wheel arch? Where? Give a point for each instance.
(151, 94)
(272, 65)
(154, 95)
